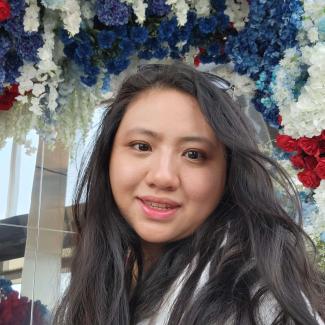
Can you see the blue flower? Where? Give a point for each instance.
(218, 5)
(28, 45)
(121, 31)
(12, 63)
(91, 72)
(191, 19)
(16, 7)
(5, 45)
(145, 54)
(127, 47)
(184, 33)
(121, 64)
(213, 49)
(139, 34)
(175, 55)
(152, 43)
(157, 8)
(5, 286)
(117, 65)
(83, 37)
(222, 21)
(160, 53)
(257, 49)
(207, 25)
(106, 39)
(167, 28)
(185, 49)
(70, 49)
(204, 58)
(2, 78)
(64, 37)
(112, 12)
(83, 51)
(15, 26)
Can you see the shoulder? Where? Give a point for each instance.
(270, 308)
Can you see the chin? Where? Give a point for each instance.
(155, 238)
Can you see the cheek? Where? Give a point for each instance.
(123, 174)
(205, 186)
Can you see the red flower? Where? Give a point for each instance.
(298, 161)
(4, 10)
(14, 310)
(321, 148)
(279, 119)
(309, 178)
(310, 162)
(197, 61)
(308, 145)
(286, 143)
(323, 135)
(320, 168)
(8, 97)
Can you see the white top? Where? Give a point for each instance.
(267, 312)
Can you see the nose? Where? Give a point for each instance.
(163, 172)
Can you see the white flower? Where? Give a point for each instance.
(238, 12)
(139, 8)
(314, 10)
(190, 55)
(313, 34)
(202, 7)
(71, 17)
(22, 99)
(244, 86)
(38, 89)
(27, 74)
(87, 10)
(180, 9)
(305, 116)
(31, 18)
(52, 99)
(35, 107)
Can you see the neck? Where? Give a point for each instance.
(151, 253)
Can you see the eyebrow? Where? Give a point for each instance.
(190, 138)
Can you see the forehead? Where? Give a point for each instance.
(168, 112)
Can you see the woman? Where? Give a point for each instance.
(182, 221)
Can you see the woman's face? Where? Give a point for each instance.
(167, 169)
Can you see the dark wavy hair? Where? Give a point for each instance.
(266, 251)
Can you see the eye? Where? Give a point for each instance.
(140, 146)
(195, 155)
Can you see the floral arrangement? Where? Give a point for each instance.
(59, 60)
(81, 46)
(298, 90)
(15, 310)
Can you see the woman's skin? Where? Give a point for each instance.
(164, 148)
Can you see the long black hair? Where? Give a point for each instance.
(266, 252)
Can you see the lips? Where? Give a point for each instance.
(159, 202)
(158, 208)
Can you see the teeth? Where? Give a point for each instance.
(160, 206)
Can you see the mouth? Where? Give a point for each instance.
(158, 211)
